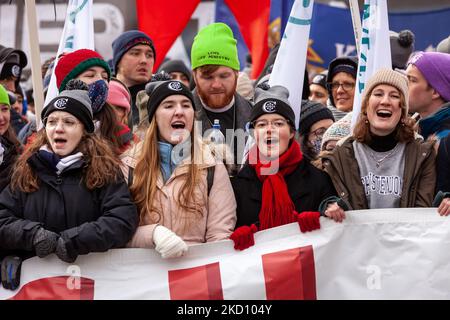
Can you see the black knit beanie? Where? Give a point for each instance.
(159, 90)
(311, 113)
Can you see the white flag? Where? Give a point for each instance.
(375, 48)
(289, 67)
(78, 33)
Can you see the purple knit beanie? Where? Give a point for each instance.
(435, 67)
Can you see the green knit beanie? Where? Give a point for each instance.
(4, 98)
(215, 44)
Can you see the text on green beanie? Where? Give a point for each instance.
(215, 45)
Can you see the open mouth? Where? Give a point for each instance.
(178, 125)
(384, 114)
(60, 141)
(271, 141)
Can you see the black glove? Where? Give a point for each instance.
(44, 242)
(63, 253)
(10, 272)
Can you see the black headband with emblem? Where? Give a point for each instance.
(10, 69)
(75, 102)
(159, 90)
(272, 101)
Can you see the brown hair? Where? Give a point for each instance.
(146, 175)
(404, 130)
(211, 68)
(10, 135)
(102, 166)
(108, 127)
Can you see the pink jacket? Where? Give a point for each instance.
(219, 214)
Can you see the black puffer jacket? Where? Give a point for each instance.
(10, 154)
(88, 221)
(307, 187)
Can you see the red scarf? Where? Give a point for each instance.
(277, 206)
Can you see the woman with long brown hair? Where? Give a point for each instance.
(182, 193)
(382, 165)
(67, 195)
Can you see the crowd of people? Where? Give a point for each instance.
(129, 156)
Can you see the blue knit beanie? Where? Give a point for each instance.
(128, 40)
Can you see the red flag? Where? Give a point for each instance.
(164, 22)
(253, 19)
(290, 274)
(199, 283)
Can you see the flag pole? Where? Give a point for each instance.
(356, 20)
(33, 40)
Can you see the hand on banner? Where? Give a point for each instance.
(308, 220)
(444, 207)
(442, 201)
(335, 212)
(10, 272)
(168, 244)
(44, 242)
(243, 237)
(62, 252)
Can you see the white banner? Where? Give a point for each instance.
(78, 33)
(289, 67)
(374, 48)
(374, 254)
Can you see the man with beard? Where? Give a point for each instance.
(215, 65)
(133, 58)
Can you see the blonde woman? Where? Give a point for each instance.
(182, 193)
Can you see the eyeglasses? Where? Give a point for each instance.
(264, 124)
(318, 132)
(345, 85)
(67, 123)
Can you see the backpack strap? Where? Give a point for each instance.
(210, 177)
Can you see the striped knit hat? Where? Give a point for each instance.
(75, 63)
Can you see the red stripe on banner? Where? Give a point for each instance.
(199, 283)
(290, 274)
(252, 17)
(164, 22)
(57, 288)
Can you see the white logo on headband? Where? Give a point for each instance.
(415, 58)
(175, 86)
(15, 70)
(61, 103)
(270, 106)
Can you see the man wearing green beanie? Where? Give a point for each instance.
(215, 65)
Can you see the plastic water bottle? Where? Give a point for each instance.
(216, 134)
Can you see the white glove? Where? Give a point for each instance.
(168, 244)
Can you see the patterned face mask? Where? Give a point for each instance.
(316, 145)
(98, 92)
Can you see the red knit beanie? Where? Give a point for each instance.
(73, 64)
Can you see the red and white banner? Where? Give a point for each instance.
(374, 254)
